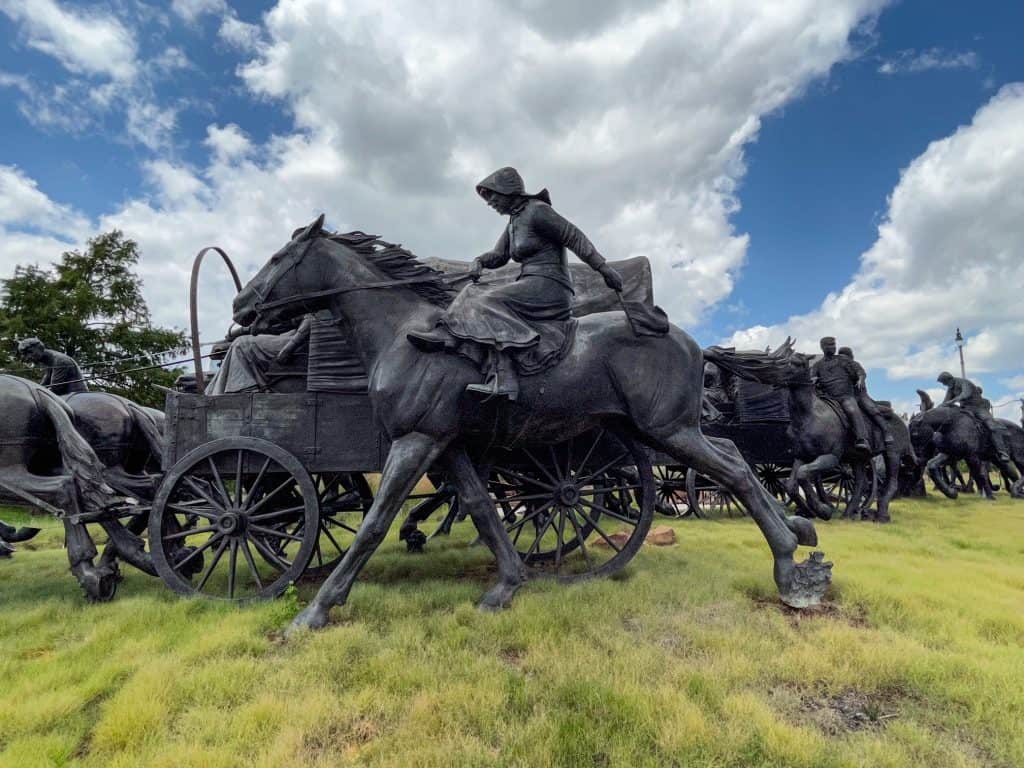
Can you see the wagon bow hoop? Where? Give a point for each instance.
(193, 308)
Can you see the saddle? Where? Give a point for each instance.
(875, 437)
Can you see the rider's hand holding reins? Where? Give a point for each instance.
(611, 277)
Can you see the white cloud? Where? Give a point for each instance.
(239, 34)
(949, 253)
(84, 42)
(227, 142)
(912, 61)
(34, 228)
(191, 10)
(149, 124)
(23, 204)
(634, 114)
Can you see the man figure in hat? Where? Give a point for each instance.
(967, 395)
(835, 378)
(864, 400)
(62, 376)
(526, 326)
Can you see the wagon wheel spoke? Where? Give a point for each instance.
(257, 483)
(578, 530)
(219, 482)
(597, 528)
(252, 564)
(232, 561)
(194, 486)
(604, 468)
(590, 451)
(212, 565)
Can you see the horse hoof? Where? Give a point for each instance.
(309, 618)
(806, 535)
(415, 541)
(808, 581)
(498, 598)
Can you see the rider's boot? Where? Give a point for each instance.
(999, 443)
(433, 340)
(502, 381)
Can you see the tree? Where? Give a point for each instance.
(90, 306)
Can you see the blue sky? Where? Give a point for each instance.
(751, 154)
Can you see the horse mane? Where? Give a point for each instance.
(397, 263)
(754, 365)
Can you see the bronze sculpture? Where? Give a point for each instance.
(822, 438)
(524, 327)
(835, 378)
(418, 398)
(967, 395)
(62, 375)
(864, 400)
(943, 436)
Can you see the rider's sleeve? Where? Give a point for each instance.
(562, 231)
(497, 257)
(968, 390)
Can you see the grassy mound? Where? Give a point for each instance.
(687, 659)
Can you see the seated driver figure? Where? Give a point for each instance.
(864, 400)
(967, 395)
(525, 326)
(835, 378)
(62, 377)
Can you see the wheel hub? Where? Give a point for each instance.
(568, 494)
(231, 522)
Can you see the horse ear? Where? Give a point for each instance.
(311, 231)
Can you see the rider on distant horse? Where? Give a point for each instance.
(967, 395)
(525, 326)
(62, 376)
(836, 379)
(864, 400)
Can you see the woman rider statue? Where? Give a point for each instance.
(525, 326)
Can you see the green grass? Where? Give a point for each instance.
(685, 660)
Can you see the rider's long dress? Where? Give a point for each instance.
(530, 318)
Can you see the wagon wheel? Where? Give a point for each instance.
(844, 487)
(773, 477)
(671, 500)
(344, 498)
(218, 509)
(578, 509)
(706, 496)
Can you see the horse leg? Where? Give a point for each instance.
(892, 468)
(793, 490)
(474, 498)
(410, 456)
(799, 585)
(980, 478)
(935, 467)
(809, 477)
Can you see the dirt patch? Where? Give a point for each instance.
(855, 616)
(837, 713)
(513, 657)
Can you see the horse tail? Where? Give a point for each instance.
(754, 365)
(77, 455)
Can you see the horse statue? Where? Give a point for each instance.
(45, 462)
(944, 436)
(822, 438)
(381, 293)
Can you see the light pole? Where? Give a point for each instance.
(960, 349)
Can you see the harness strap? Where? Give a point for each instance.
(264, 305)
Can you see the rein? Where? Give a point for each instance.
(261, 306)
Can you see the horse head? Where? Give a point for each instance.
(280, 290)
(783, 367)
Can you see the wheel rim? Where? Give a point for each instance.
(578, 509)
(219, 528)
